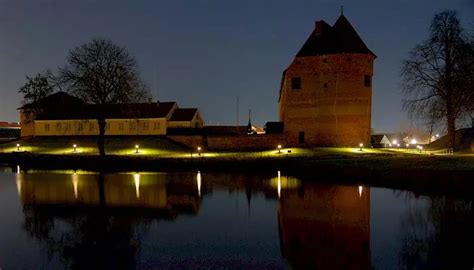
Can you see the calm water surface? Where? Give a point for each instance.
(78, 220)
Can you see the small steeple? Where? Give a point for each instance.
(342, 10)
(249, 125)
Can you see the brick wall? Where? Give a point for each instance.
(230, 142)
(333, 106)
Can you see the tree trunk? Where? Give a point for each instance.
(451, 129)
(100, 141)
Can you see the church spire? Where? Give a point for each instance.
(342, 10)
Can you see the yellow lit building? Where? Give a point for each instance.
(63, 115)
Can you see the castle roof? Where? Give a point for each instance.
(339, 38)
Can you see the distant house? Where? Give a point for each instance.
(61, 114)
(380, 141)
(185, 118)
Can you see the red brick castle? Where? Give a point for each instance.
(325, 93)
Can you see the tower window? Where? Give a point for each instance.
(367, 81)
(296, 83)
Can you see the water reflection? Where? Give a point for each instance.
(157, 220)
(326, 227)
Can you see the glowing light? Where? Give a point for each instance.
(18, 180)
(18, 147)
(360, 146)
(136, 179)
(279, 148)
(75, 183)
(198, 182)
(413, 141)
(360, 191)
(74, 147)
(18, 169)
(398, 145)
(137, 148)
(407, 145)
(279, 184)
(437, 135)
(395, 142)
(199, 150)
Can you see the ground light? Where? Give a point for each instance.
(18, 147)
(137, 148)
(279, 148)
(360, 146)
(199, 150)
(74, 148)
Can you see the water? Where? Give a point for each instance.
(78, 220)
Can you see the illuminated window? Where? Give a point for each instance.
(46, 127)
(156, 125)
(91, 126)
(145, 126)
(58, 126)
(80, 127)
(121, 126)
(133, 126)
(367, 80)
(296, 83)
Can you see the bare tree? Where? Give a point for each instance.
(434, 73)
(101, 72)
(38, 87)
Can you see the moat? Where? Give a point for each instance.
(139, 220)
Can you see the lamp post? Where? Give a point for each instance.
(360, 146)
(279, 148)
(137, 148)
(74, 148)
(18, 147)
(199, 150)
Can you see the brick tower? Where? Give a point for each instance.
(326, 92)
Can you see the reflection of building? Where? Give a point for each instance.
(145, 191)
(325, 227)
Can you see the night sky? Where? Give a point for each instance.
(206, 53)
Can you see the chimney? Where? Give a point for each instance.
(318, 27)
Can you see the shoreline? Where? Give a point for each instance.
(422, 174)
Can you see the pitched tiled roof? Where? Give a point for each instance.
(340, 38)
(185, 114)
(109, 111)
(55, 100)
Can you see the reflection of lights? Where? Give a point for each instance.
(360, 191)
(18, 169)
(18, 180)
(198, 182)
(75, 182)
(279, 184)
(136, 179)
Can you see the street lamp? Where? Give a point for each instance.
(360, 146)
(279, 148)
(18, 147)
(137, 147)
(199, 150)
(74, 148)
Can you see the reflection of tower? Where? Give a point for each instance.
(326, 228)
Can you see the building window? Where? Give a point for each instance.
(145, 126)
(79, 127)
(157, 125)
(367, 80)
(325, 85)
(91, 126)
(46, 127)
(133, 126)
(296, 83)
(120, 126)
(301, 137)
(58, 126)
(67, 127)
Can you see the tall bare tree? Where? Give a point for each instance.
(434, 74)
(39, 86)
(101, 72)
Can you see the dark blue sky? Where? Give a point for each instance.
(205, 53)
